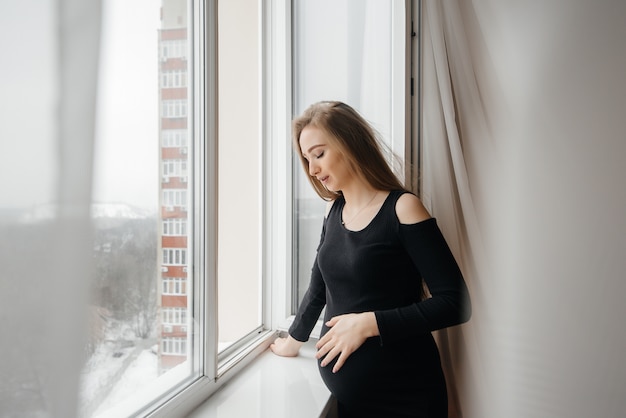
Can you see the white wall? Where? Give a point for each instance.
(553, 74)
(239, 145)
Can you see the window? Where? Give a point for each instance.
(193, 143)
(173, 78)
(176, 48)
(192, 177)
(174, 316)
(141, 347)
(174, 138)
(174, 286)
(173, 198)
(174, 108)
(365, 42)
(175, 227)
(175, 346)
(176, 167)
(175, 256)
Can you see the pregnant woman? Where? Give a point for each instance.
(379, 247)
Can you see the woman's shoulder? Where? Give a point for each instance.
(410, 210)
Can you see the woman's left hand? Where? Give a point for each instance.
(347, 333)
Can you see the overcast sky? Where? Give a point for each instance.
(126, 158)
(27, 105)
(126, 168)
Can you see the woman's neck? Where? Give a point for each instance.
(359, 194)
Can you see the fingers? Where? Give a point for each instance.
(323, 341)
(334, 352)
(324, 350)
(332, 321)
(326, 338)
(330, 353)
(330, 347)
(340, 361)
(346, 335)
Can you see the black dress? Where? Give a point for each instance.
(379, 269)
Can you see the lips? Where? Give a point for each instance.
(323, 179)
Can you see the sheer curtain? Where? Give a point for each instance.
(458, 153)
(523, 134)
(47, 131)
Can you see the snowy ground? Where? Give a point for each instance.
(117, 369)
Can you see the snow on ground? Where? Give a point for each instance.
(142, 371)
(120, 366)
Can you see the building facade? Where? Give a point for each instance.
(174, 193)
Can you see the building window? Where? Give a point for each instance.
(175, 227)
(175, 168)
(174, 316)
(174, 286)
(176, 197)
(174, 346)
(174, 138)
(173, 49)
(174, 108)
(175, 256)
(173, 78)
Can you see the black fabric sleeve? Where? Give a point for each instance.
(312, 303)
(450, 303)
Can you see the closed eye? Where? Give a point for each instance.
(320, 155)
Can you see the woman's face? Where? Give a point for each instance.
(326, 163)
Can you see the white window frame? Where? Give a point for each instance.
(275, 42)
(276, 105)
(277, 216)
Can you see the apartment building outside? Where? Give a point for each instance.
(174, 193)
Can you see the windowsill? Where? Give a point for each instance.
(272, 386)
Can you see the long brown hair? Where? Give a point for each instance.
(354, 138)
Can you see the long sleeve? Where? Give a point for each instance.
(450, 303)
(312, 303)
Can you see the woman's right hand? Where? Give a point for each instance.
(286, 347)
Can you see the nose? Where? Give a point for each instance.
(313, 168)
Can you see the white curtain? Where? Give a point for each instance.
(49, 69)
(523, 131)
(452, 113)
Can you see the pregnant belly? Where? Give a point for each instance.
(376, 375)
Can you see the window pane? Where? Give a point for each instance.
(239, 191)
(346, 55)
(140, 335)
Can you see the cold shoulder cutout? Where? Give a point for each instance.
(410, 210)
